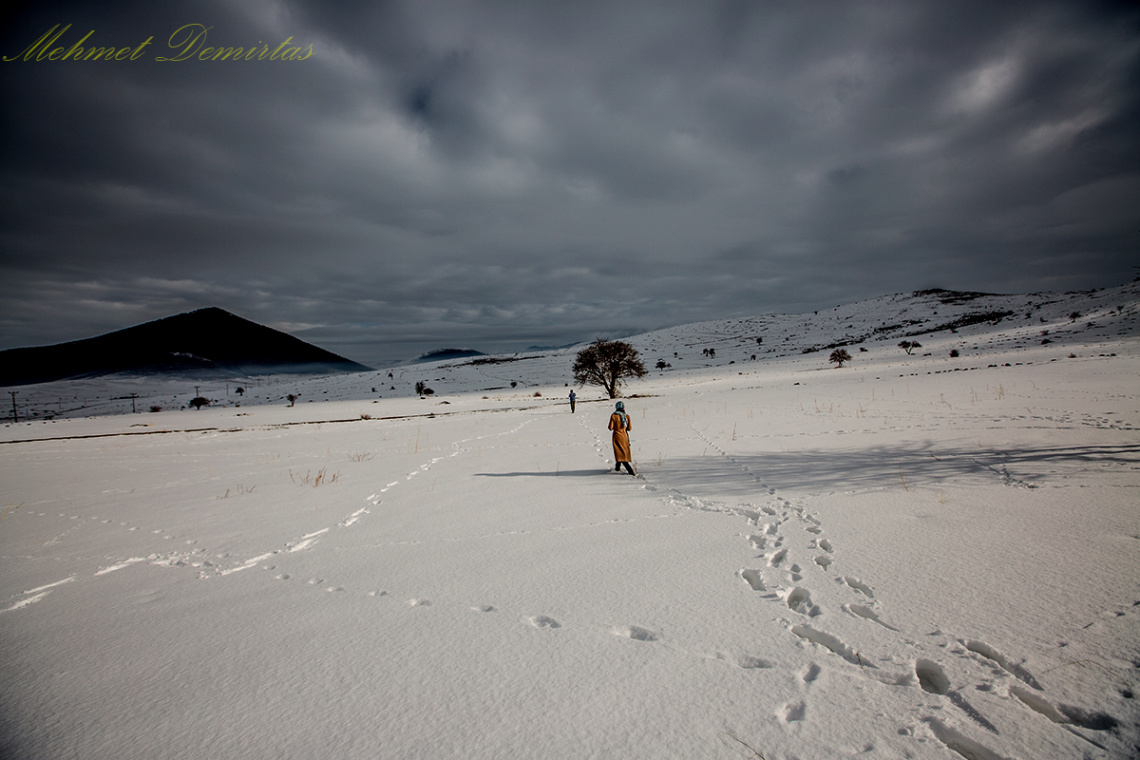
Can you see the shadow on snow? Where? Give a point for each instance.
(926, 464)
(536, 474)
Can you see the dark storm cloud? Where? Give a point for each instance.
(500, 174)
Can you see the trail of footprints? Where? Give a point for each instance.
(778, 578)
(210, 566)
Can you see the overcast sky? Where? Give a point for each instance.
(416, 175)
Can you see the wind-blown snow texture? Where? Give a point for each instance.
(910, 556)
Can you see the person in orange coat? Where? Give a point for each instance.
(619, 423)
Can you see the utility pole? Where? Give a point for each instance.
(133, 397)
(15, 414)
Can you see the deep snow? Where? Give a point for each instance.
(911, 556)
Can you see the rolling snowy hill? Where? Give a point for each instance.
(974, 325)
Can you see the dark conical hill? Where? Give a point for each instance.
(209, 340)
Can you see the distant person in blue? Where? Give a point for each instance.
(619, 423)
(572, 399)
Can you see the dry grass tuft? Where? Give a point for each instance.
(755, 752)
(308, 479)
(241, 490)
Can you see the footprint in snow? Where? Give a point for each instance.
(1015, 669)
(753, 578)
(931, 677)
(637, 633)
(542, 621)
(811, 674)
(859, 586)
(833, 643)
(867, 613)
(799, 600)
(793, 712)
(748, 662)
(933, 680)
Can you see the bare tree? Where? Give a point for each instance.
(607, 363)
(839, 356)
(909, 346)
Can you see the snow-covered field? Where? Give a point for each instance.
(911, 556)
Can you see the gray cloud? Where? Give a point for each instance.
(499, 174)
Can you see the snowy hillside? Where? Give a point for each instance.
(914, 556)
(942, 321)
